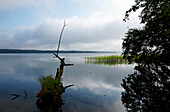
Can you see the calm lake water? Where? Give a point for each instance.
(96, 87)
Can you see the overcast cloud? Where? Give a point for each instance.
(97, 31)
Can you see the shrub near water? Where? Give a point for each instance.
(106, 60)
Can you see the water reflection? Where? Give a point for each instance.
(50, 95)
(147, 90)
(94, 85)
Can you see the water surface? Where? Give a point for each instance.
(96, 87)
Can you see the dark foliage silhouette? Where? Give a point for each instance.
(148, 88)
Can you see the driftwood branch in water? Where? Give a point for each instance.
(69, 64)
(62, 60)
(60, 71)
(52, 100)
(56, 56)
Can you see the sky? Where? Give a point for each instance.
(93, 25)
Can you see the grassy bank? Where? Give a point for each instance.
(106, 60)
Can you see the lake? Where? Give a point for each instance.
(97, 88)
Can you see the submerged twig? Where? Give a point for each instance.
(25, 95)
(16, 96)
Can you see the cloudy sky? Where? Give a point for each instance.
(91, 24)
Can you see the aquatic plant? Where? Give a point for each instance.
(51, 85)
(106, 60)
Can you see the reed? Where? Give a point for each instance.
(106, 60)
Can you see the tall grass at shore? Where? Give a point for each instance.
(106, 60)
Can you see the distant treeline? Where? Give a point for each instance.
(48, 51)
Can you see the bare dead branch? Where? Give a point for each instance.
(68, 64)
(60, 37)
(56, 56)
(68, 86)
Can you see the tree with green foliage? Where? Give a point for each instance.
(153, 40)
(148, 88)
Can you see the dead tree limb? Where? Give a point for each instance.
(60, 71)
(56, 56)
(60, 37)
(68, 86)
